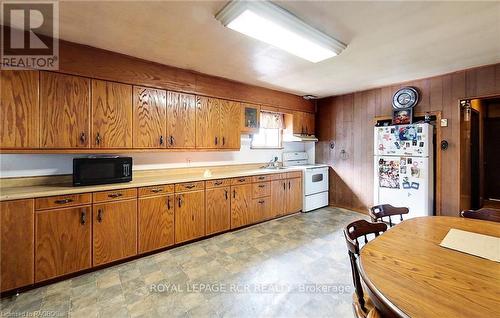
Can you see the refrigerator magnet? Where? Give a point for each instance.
(406, 185)
(415, 185)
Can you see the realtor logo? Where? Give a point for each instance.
(23, 46)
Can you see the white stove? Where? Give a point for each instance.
(315, 180)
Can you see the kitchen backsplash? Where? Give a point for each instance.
(23, 165)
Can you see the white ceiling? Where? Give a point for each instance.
(388, 42)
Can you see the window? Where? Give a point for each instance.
(270, 131)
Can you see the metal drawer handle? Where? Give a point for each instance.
(190, 186)
(261, 201)
(241, 180)
(63, 201)
(83, 137)
(216, 139)
(180, 201)
(161, 140)
(115, 195)
(217, 182)
(83, 217)
(99, 215)
(156, 190)
(262, 178)
(98, 139)
(234, 193)
(225, 194)
(168, 203)
(262, 185)
(223, 141)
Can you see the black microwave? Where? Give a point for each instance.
(101, 170)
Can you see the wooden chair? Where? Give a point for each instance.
(352, 232)
(482, 214)
(378, 212)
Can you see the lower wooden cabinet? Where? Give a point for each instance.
(189, 215)
(294, 195)
(241, 205)
(261, 209)
(278, 197)
(16, 243)
(63, 242)
(155, 222)
(114, 231)
(218, 216)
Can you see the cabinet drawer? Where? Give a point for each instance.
(261, 189)
(241, 180)
(156, 190)
(114, 195)
(261, 178)
(190, 186)
(218, 183)
(62, 201)
(277, 176)
(294, 174)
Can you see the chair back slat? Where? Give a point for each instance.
(352, 232)
(485, 214)
(378, 212)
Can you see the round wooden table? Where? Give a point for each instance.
(408, 270)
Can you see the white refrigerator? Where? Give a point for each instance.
(403, 166)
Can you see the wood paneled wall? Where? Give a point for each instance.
(348, 121)
(77, 59)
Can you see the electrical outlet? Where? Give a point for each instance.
(444, 122)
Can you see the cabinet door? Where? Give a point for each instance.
(241, 205)
(156, 222)
(230, 113)
(261, 209)
(278, 197)
(310, 123)
(294, 195)
(189, 216)
(63, 242)
(64, 111)
(298, 123)
(150, 118)
(114, 231)
(111, 115)
(218, 210)
(208, 122)
(19, 109)
(16, 244)
(181, 120)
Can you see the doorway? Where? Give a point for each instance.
(480, 153)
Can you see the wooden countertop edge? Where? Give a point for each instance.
(63, 189)
(395, 310)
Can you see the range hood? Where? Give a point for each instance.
(299, 137)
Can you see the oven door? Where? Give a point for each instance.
(316, 180)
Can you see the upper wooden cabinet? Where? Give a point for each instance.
(111, 115)
(217, 123)
(150, 118)
(230, 124)
(64, 111)
(303, 123)
(250, 118)
(208, 124)
(19, 109)
(16, 244)
(181, 120)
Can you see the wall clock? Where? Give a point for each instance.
(405, 98)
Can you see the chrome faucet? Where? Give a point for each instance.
(272, 164)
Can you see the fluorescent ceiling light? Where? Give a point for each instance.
(271, 24)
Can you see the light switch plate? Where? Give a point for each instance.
(444, 122)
